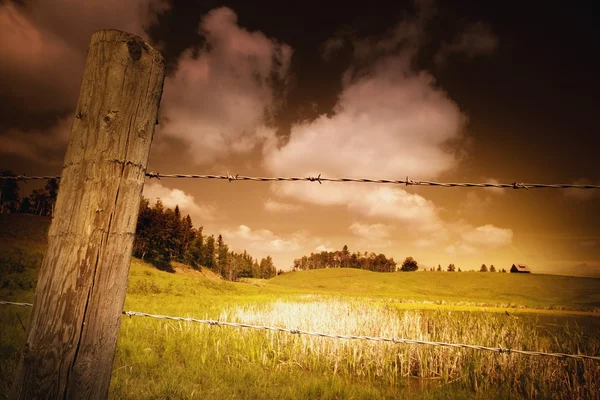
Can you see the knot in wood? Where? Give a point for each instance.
(135, 46)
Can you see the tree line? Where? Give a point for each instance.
(39, 202)
(345, 259)
(452, 268)
(162, 235)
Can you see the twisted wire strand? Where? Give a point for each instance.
(320, 180)
(347, 337)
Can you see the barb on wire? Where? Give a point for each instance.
(296, 331)
(320, 179)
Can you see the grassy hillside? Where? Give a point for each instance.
(469, 288)
(167, 359)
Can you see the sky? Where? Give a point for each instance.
(485, 92)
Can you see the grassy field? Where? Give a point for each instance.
(172, 360)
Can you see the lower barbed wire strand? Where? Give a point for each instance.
(348, 337)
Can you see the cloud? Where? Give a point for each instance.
(37, 144)
(374, 232)
(331, 46)
(477, 39)
(277, 206)
(262, 240)
(582, 194)
(472, 240)
(487, 236)
(186, 202)
(43, 46)
(221, 97)
(323, 247)
(374, 202)
(390, 120)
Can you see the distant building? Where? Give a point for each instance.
(520, 269)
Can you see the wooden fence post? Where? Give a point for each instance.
(72, 333)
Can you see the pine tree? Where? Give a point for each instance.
(208, 257)
(483, 268)
(492, 268)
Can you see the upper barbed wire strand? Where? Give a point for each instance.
(320, 180)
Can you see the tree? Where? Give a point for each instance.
(409, 264)
(483, 268)
(267, 268)
(222, 259)
(459, 270)
(52, 192)
(451, 268)
(492, 268)
(9, 193)
(195, 251)
(208, 256)
(25, 207)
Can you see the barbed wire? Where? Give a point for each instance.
(348, 337)
(12, 303)
(320, 180)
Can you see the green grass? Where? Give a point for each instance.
(172, 360)
(464, 288)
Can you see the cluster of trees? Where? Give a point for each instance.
(452, 268)
(484, 268)
(344, 259)
(164, 235)
(39, 202)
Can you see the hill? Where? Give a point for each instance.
(23, 240)
(467, 288)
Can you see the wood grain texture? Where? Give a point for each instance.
(72, 333)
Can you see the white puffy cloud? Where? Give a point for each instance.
(262, 241)
(373, 202)
(219, 99)
(323, 247)
(186, 202)
(390, 121)
(374, 232)
(475, 239)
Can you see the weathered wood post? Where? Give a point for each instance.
(72, 333)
